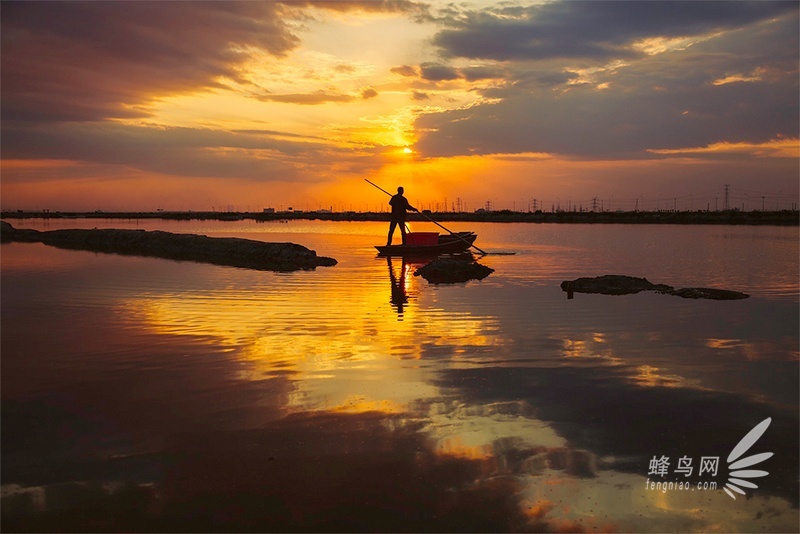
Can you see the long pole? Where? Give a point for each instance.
(431, 220)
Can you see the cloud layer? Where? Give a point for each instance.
(590, 30)
(98, 60)
(615, 79)
(594, 81)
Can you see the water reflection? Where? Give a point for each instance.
(191, 397)
(601, 409)
(307, 472)
(399, 297)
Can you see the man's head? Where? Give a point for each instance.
(400, 189)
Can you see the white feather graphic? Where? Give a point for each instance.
(750, 460)
(736, 473)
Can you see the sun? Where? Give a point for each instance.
(407, 150)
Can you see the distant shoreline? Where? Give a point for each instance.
(730, 217)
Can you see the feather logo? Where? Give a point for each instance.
(736, 466)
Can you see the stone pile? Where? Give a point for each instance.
(614, 284)
(229, 251)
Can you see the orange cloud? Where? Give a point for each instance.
(776, 148)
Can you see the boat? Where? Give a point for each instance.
(429, 244)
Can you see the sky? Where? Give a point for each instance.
(240, 106)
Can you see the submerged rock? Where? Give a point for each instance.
(706, 293)
(614, 284)
(452, 271)
(611, 284)
(229, 251)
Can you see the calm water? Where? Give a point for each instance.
(146, 394)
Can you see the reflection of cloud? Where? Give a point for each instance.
(592, 349)
(756, 350)
(357, 351)
(714, 343)
(618, 502)
(318, 472)
(649, 376)
(599, 409)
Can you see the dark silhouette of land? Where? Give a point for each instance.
(774, 218)
(614, 284)
(235, 252)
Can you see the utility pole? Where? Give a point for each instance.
(726, 205)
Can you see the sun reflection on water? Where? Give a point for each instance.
(339, 343)
(497, 389)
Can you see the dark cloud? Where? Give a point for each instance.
(438, 73)
(95, 60)
(307, 99)
(405, 70)
(418, 10)
(419, 96)
(368, 93)
(435, 72)
(591, 30)
(674, 99)
(474, 74)
(249, 154)
(342, 67)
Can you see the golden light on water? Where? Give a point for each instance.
(222, 397)
(501, 375)
(323, 337)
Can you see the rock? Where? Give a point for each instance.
(452, 271)
(230, 251)
(706, 293)
(612, 284)
(8, 233)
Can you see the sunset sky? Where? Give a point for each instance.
(247, 105)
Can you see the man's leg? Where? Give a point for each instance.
(392, 225)
(403, 231)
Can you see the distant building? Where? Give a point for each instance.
(269, 210)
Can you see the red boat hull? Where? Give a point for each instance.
(447, 244)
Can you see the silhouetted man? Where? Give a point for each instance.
(399, 205)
